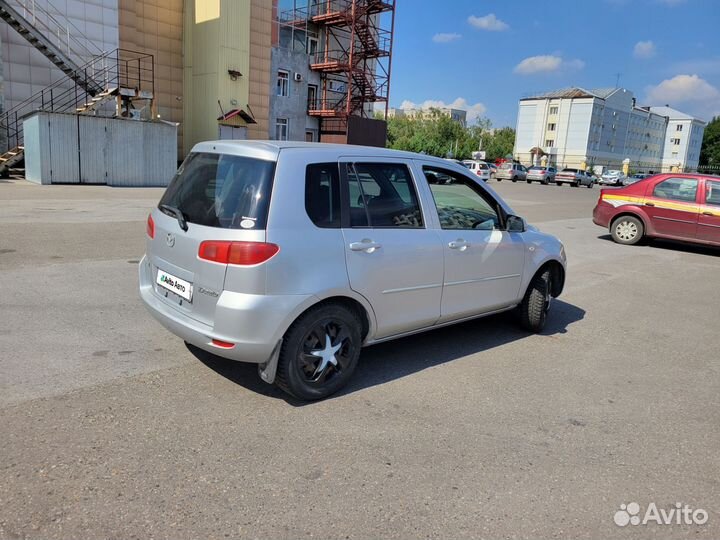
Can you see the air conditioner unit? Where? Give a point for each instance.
(298, 77)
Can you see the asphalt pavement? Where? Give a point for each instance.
(110, 427)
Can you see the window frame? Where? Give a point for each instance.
(343, 164)
(474, 186)
(282, 75)
(278, 123)
(328, 164)
(706, 191)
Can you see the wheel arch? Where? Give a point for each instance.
(364, 312)
(632, 212)
(557, 276)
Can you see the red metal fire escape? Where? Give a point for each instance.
(354, 60)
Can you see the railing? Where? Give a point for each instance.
(120, 68)
(66, 36)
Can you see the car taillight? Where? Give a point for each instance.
(238, 253)
(150, 227)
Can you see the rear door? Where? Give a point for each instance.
(672, 206)
(222, 198)
(393, 258)
(709, 218)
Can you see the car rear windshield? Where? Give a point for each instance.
(220, 190)
(537, 169)
(506, 166)
(570, 170)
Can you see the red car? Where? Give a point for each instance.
(677, 206)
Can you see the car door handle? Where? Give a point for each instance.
(460, 244)
(649, 204)
(708, 214)
(365, 245)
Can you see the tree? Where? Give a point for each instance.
(710, 150)
(438, 135)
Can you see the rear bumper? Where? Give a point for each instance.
(602, 214)
(254, 323)
(567, 180)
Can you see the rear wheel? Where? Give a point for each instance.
(558, 183)
(590, 185)
(627, 230)
(575, 184)
(320, 352)
(529, 181)
(515, 179)
(545, 182)
(535, 305)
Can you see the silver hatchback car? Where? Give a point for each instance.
(294, 256)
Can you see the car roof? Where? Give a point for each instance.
(271, 150)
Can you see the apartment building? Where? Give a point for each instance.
(456, 115)
(576, 127)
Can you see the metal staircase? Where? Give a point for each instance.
(37, 25)
(121, 76)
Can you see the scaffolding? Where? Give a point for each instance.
(349, 43)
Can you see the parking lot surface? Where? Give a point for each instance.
(112, 428)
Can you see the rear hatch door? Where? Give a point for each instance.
(215, 198)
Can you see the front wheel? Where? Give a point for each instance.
(320, 352)
(575, 184)
(627, 230)
(515, 179)
(590, 185)
(535, 305)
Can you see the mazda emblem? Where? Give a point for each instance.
(170, 239)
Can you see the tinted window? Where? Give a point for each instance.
(322, 194)
(382, 195)
(218, 190)
(712, 192)
(677, 189)
(460, 203)
(570, 170)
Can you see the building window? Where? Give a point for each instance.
(551, 127)
(281, 129)
(676, 142)
(679, 127)
(283, 83)
(312, 97)
(553, 110)
(549, 143)
(312, 46)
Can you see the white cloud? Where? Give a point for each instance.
(488, 22)
(697, 95)
(644, 50)
(546, 63)
(473, 111)
(446, 37)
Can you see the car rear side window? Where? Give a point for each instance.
(322, 194)
(677, 189)
(712, 192)
(382, 195)
(220, 190)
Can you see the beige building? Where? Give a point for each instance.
(458, 115)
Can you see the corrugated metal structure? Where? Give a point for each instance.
(77, 149)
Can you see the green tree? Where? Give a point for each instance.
(438, 135)
(710, 150)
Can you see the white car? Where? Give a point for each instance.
(480, 168)
(613, 178)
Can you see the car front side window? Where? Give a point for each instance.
(460, 203)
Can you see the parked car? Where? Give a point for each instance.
(544, 175)
(676, 206)
(480, 168)
(613, 178)
(248, 263)
(511, 171)
(575, 177)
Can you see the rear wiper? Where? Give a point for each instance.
(176, 213)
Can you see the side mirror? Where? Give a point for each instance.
(515, 224)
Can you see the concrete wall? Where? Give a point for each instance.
(294, 106)
(78, 149)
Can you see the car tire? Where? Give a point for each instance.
(627, 230)
(309, 376)
(515, 179)
(558, 183)
(590, 185)
(545, 182)
(535, 305)
(575, 184)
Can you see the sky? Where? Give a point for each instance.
(484, 55)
